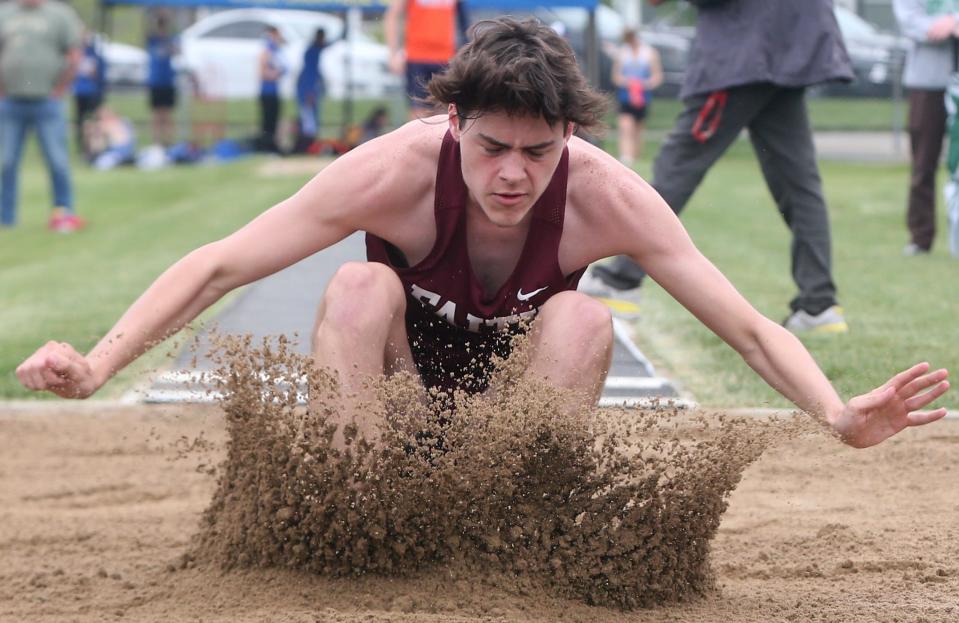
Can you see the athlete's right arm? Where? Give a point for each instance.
(356, 190)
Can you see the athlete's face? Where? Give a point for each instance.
(507, 161)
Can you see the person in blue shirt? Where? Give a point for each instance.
(637, 71)
(89, 84)
(310, 89)
(161, 48)
(272, 68)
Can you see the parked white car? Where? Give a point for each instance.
(222, 51)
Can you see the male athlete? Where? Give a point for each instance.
(474, 221)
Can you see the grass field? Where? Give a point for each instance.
(900, 309)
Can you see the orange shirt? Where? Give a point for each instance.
(430, 30)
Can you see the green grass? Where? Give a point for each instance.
(900, 310)
(73, 288)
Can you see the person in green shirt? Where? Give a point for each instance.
(39, 53)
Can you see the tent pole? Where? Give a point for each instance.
(592, 50)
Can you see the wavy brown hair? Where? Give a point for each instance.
(518, 67)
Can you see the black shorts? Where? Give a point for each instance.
(449, 358)
(162, 97)
(87, 105)
(638, 113)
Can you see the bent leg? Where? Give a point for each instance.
(360, 334)
(572, 344)
(782, 139)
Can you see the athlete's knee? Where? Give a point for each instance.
(580, 316)
(361, 293)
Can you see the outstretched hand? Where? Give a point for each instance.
(871, 418)
(56, 367)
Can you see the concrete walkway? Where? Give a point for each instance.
(863, 146)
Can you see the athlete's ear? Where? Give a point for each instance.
(570, 128)
(454, 121)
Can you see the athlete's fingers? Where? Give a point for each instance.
(58, 364)
(51, 378)
(919, 418)
(906, 376)
(921, 400)
(927, 380)
(32, 373)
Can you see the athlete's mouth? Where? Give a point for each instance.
(509, 198)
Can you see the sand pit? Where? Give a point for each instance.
(101, 506)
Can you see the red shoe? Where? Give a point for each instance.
(66, 223)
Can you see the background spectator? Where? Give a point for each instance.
(749, 67)
(161, 48)
(89, 86)
(310, 90)
(427, 46)
(39, 54)
(272, 68)
(109, 139)
(931, 25)
(637, 71)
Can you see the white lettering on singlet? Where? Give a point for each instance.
(424, 296)
(447, 311)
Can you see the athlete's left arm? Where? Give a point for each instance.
(636, 221)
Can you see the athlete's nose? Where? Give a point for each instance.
(512, 168)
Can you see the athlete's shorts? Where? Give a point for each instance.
(449, 358)
(162, 97)
(637, 112)
(418, 76)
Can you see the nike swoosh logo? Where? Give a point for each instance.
(527, 296)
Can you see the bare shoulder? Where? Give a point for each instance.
(602, 191)
(610, 209)
(383, 179)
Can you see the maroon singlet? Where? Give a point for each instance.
(454, 327)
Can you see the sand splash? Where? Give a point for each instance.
(614, 507)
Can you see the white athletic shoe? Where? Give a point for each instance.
(830, 320)
(623, 303)
(912, 249)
